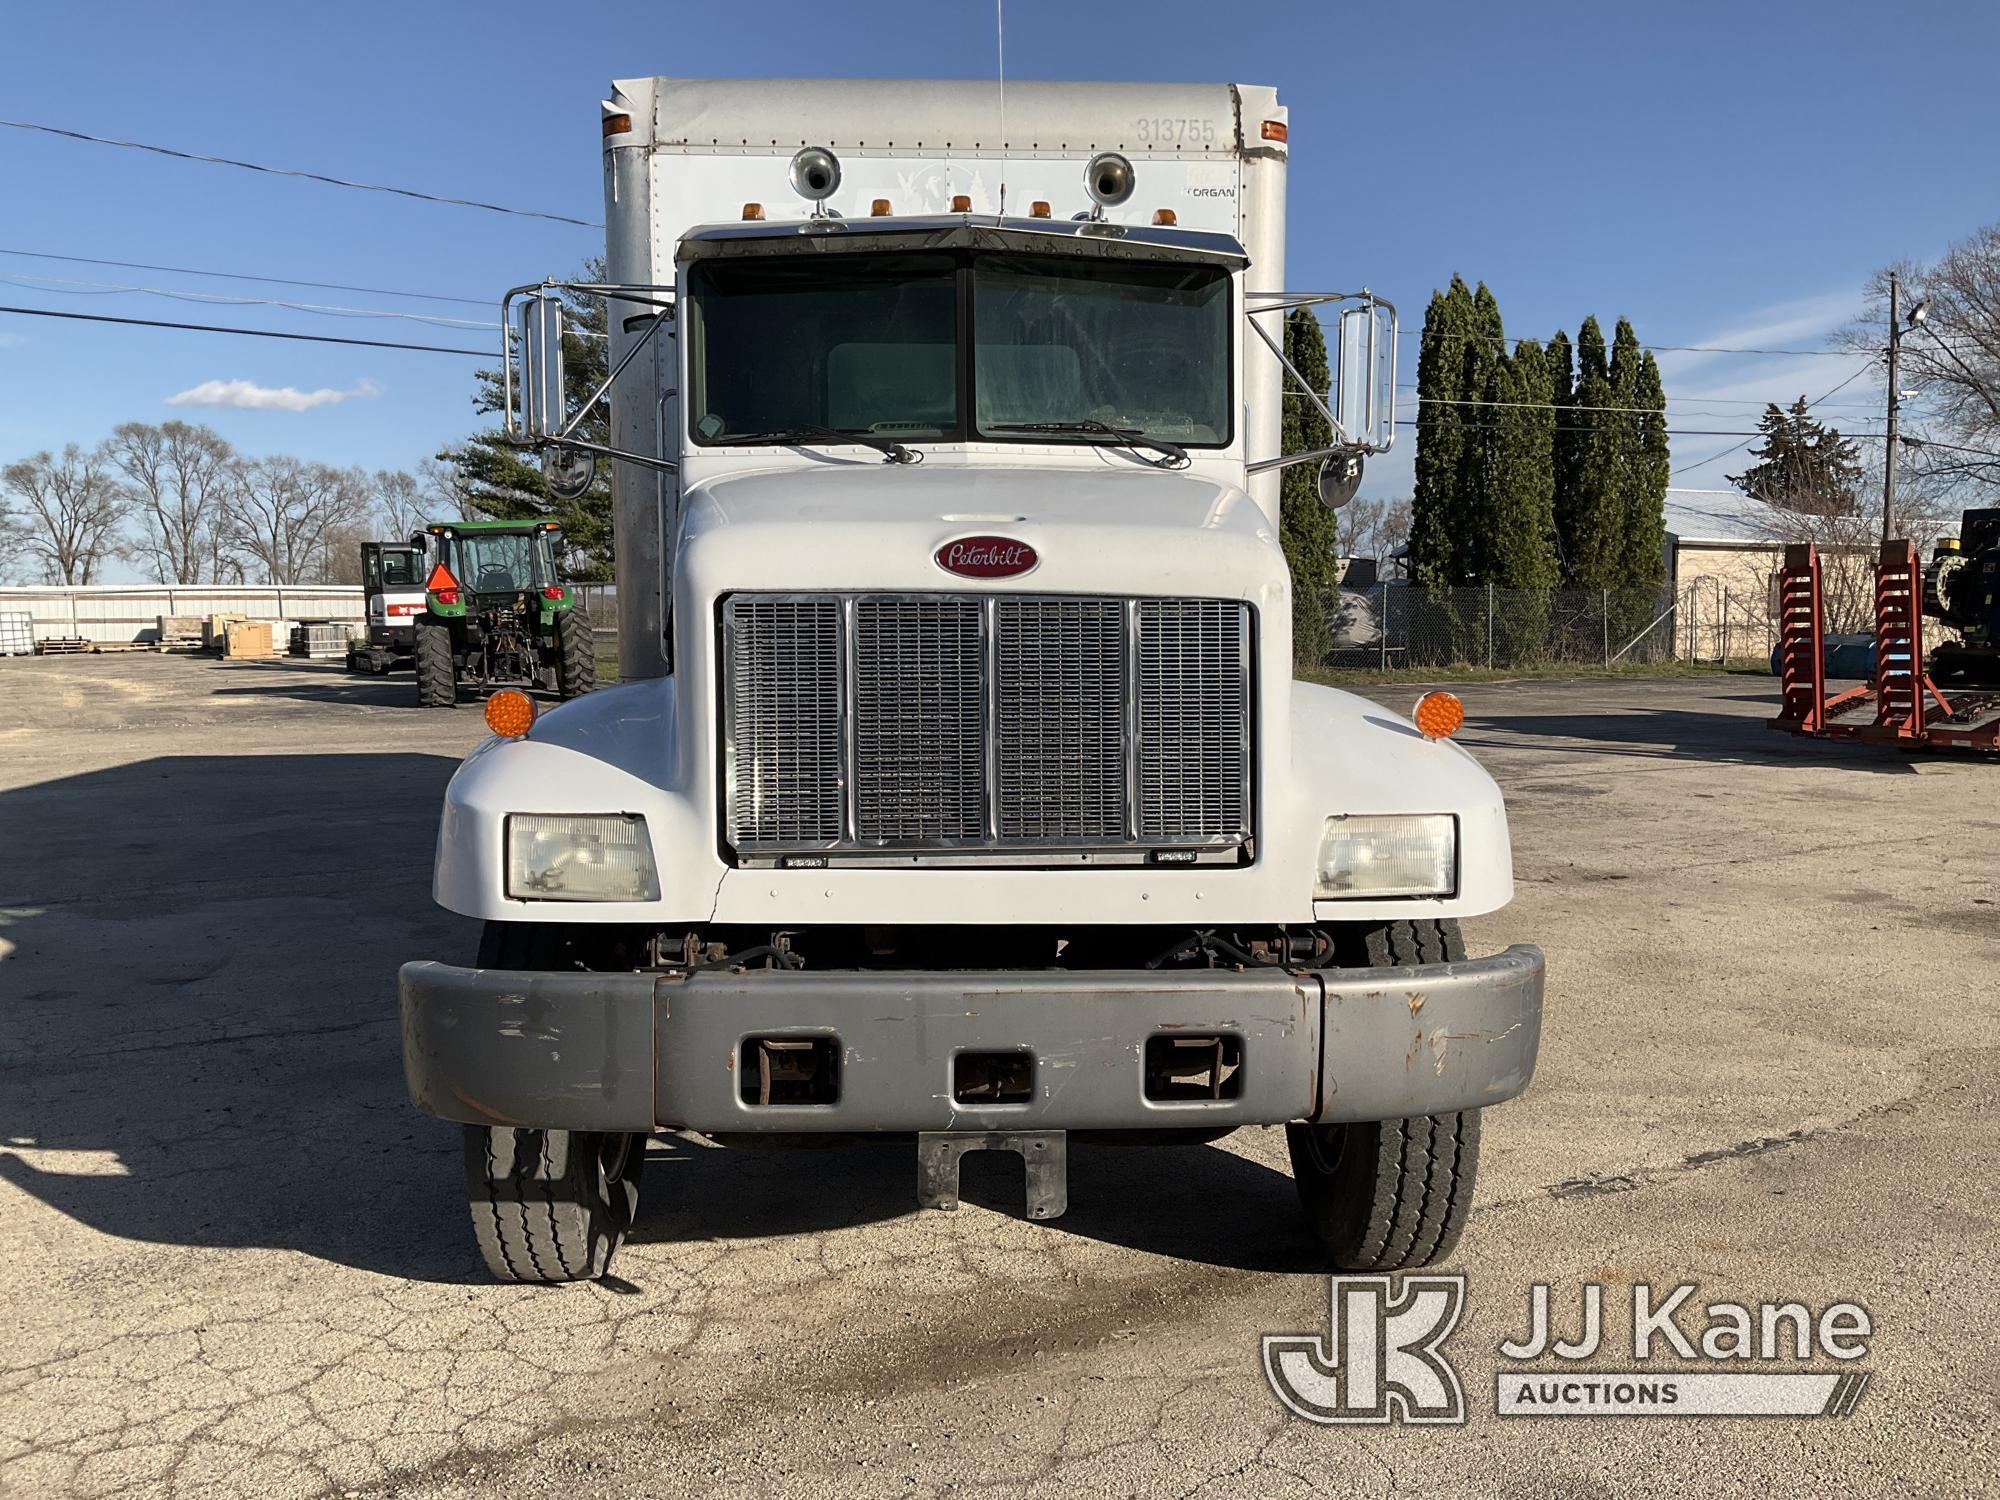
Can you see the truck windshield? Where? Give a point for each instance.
(1048, 347)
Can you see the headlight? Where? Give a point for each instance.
(604, 857)
(1387, 856)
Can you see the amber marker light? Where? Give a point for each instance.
(1438, 715)
(879, 209)
(510, 713)
(961, 203)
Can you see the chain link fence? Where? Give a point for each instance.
(1398, 626)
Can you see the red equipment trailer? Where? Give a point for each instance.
(1901, 705)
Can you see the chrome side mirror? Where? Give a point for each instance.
(1364, 380)
(1339, 478)
(539, 336)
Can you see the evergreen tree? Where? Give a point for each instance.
(1520, 491)
(1484, 351)
(1520, 502)
(1561, 363)
(1441, 436)
(1594, 532)
(1307, 529)
(1646, 517)
(1621, 431)
(505, 483)
(1802, 464)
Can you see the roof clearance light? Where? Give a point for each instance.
(1276, 130)
(879, 209)
(754, 212)
(1166, 218)
(961, 204)
(1039, 209)
(510, 713)
(1438, 715)
(617, 124)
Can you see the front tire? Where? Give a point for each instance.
(576, 668)
(548, 1205)
(551, 1205)
(1389, 1195)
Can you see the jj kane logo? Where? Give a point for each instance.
(1382, 1358)
(986, 557)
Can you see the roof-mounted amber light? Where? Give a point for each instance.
(1166, 218)
(1438, 715)
(617, 124)
(753, 211)
(879, 209)
(1276, 130)
(961, 203)
(1039, 209)
(510, 713)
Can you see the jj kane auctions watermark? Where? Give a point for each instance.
(1383, 1356)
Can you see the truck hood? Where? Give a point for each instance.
(878, 526)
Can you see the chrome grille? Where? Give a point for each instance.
(919, 717)
(957, 725)
(784, 709)
(1194, 739)
(1059, 719)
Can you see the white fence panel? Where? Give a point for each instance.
(119, 613)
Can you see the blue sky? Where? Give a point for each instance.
(1721, 174)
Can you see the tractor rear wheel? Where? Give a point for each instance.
(437, 674)
(576, 671)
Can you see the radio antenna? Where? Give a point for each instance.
(1000, 56)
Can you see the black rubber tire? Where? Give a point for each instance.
(1389, 1195)
(547, 1205)
(437, 673)
(576, 669)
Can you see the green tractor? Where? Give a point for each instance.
(496, 614)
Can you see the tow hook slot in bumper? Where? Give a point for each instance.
(1044, 1156)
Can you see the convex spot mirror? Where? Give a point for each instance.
(568, 472)
(1339, 478)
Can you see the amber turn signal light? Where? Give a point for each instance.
(1438, 715)
(510, 713)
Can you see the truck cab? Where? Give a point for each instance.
(959, 788)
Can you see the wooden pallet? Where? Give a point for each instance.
(61, 645)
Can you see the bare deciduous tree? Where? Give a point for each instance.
(1371, 528)
(399, 503)
(283, 513)
(1950, 359)
(69, 512)
(183, 474)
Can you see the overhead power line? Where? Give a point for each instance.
(251, 166)
(1702, 463)
(320, 286)
(1485, 338)
(72, 288)
(249, 333)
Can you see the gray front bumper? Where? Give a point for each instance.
(630, 1051)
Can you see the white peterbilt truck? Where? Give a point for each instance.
(959, 788)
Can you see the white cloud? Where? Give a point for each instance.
(247, 396)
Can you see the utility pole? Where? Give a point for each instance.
(1895, 401)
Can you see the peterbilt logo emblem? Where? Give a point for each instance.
(986, 557)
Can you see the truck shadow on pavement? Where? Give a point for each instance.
(1678, 734)
(202, 1045)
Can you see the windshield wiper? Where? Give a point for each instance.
(891, 450)
(1124, 437)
